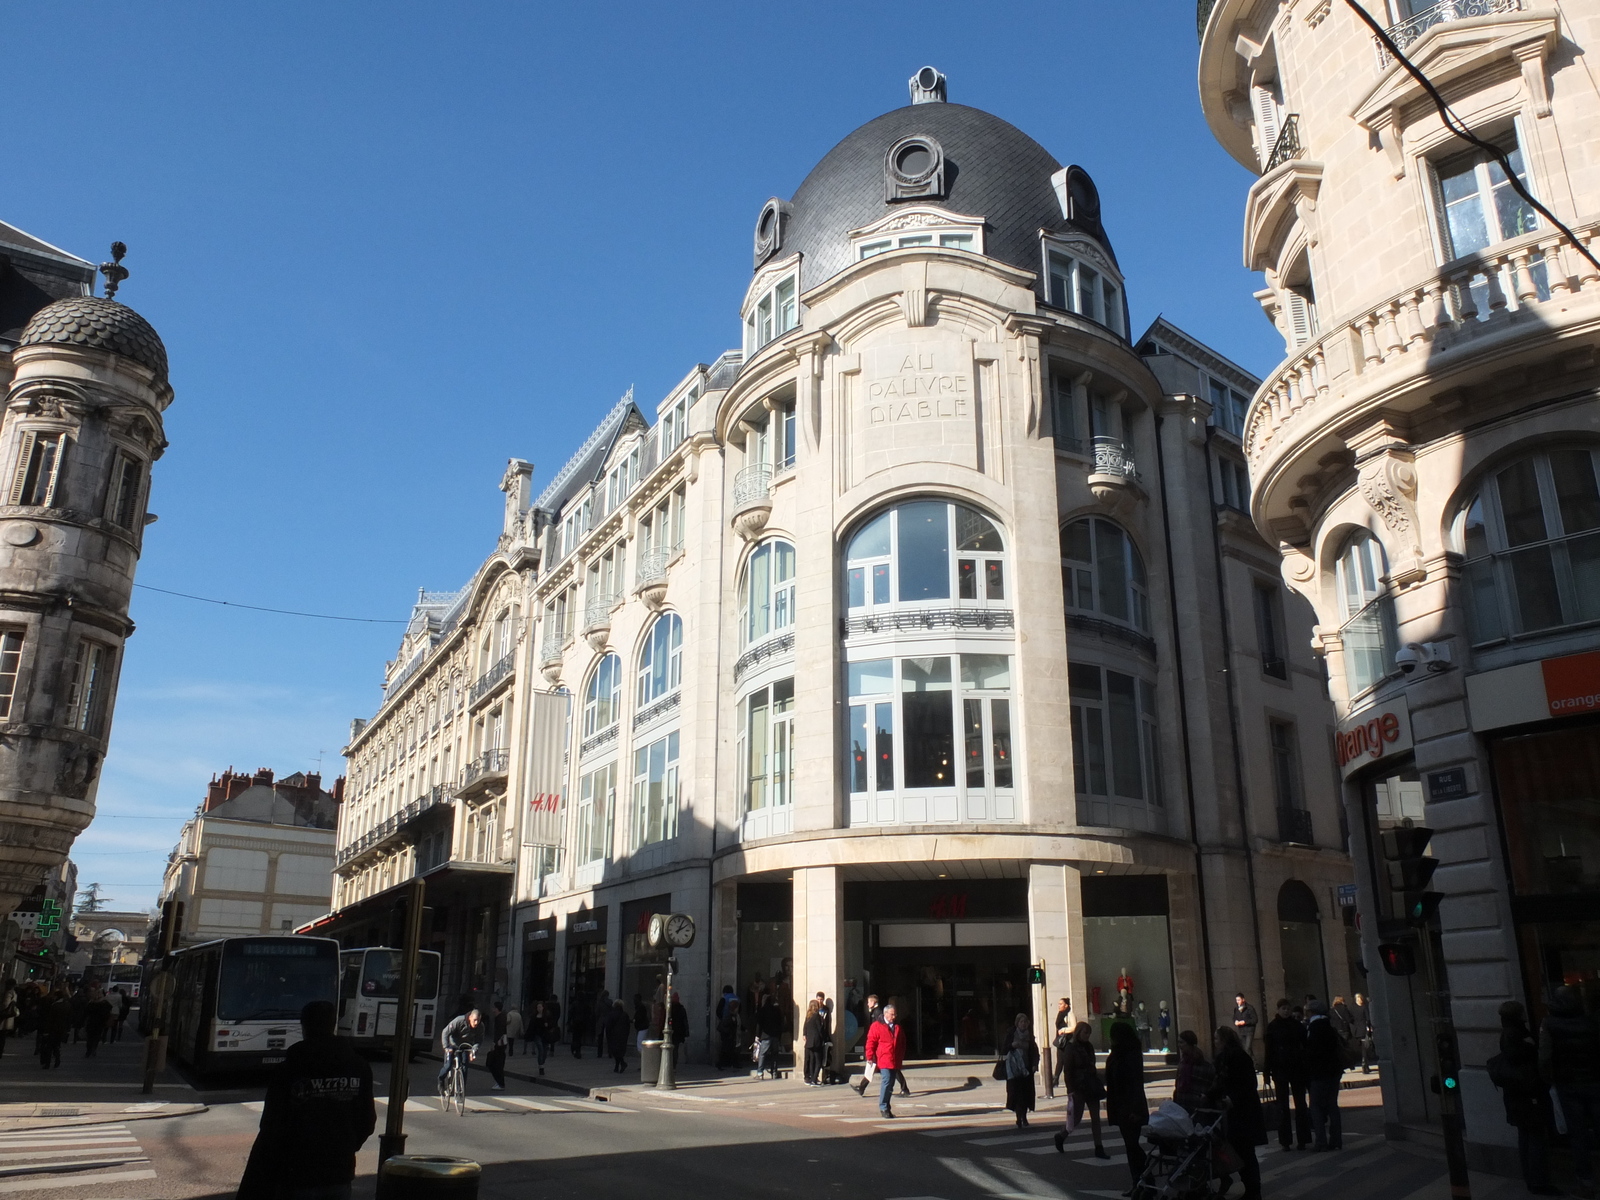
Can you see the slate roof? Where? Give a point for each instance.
(992, 170)
(99, 324)
(581, 468)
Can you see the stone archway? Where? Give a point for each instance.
(1300, 943)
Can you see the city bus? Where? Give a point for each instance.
(235, 1003)
(369, 996)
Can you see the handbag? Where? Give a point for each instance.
(1000, 1068)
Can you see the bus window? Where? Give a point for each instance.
(272, 979)
(381, 977)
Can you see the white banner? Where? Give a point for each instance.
(545, 782)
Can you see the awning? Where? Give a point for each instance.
(454, 882)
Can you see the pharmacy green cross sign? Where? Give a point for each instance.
(49, 918)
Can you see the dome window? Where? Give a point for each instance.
(1080, 279)
(914, 169)
(770, 228)
(921, 228)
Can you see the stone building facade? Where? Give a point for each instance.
(920, 639)
(1424, 460)
(86, 386)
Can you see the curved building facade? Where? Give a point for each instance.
(918, 641)
(1424, 459)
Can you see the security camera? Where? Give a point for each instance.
(1433, 655)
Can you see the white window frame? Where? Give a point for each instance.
(919, 227)
(601, 712)
(773, 310)
(1078, 574)
(779, 598)
(34, 484)
(91, 680)
(646, 691)
(655, 819)
(1062, 263)
(981, 561)
(774, 780)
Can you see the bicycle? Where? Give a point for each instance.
(453, 1087)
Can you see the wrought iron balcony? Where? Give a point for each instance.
(752, 500)
(1294, 825)
(1287, 145)
(650, 578)
(1111, 458)
(552, 648)
(489, 767)
(1413, 27)
(391, 828)
(491, 678)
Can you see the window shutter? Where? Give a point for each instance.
(1299, 319)
(1266, 119)
(24, 454)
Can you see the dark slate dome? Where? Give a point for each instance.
(98, 324)
(992, 170)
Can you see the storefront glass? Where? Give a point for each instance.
(644, 967)
(1126, 940)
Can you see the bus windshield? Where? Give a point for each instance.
(381, 975)
(272, 979)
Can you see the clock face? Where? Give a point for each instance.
(656, 924)
(680, 929)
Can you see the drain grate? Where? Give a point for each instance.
(60, 1112)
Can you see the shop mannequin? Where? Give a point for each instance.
(1124, 992)
(1141, 1026)
(1164, 1026)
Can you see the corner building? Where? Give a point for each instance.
(1425, 460)
(920, 639)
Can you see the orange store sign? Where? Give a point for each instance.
(1372, 734)
(1572, 684)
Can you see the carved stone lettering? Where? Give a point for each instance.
(921, 389)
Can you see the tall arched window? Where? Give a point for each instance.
(602, 699)
(661, 658)
(1368, 631)
(1102, 572)
(766, 594)
(925, 550)
(1531, 537)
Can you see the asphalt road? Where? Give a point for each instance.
(951, 1141)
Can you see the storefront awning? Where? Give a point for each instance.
(454, 882)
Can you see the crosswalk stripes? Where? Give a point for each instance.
(70, 1156)
(490, 1104)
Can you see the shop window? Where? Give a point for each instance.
(904, 556)
(766, 595)
(1103, 573)
(655, 791)
(1531, 538)
(597, 799)
(661, 661)
(1115, 754)
(602, 699)
(1548, 784)
(903, 720)
(1369, 634)
(767, 736)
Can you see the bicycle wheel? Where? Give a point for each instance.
(444, 1092)
(458, 1080)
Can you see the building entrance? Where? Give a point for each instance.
(957, 1001)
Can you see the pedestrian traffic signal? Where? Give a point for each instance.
(1449, 1064)
(1397, 959)
(1410, 871)
(1036, 975)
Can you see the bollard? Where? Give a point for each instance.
(650, 1060)
(428, 1177)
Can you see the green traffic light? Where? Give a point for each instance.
(1449, 1081)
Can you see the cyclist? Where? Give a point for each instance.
(461, 1037)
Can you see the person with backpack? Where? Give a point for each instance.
(1515, 1071)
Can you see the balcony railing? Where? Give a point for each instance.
(1417, 24)
(652, 567)
(393, 825)
(752, 485)
(489, 764)
(551, 649)
(1294, 825)
(492, 677)
(1423, 328)
(1111, 458)
(597, 613)
(1287, 145)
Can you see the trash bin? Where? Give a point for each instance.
(428, 1177)
(649, 1060)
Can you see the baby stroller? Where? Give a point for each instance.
(1188, 1154)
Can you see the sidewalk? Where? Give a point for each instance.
(86, 1091)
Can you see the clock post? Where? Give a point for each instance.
(677, 931)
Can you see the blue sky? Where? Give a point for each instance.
(390, 245)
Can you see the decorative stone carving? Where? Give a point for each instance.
(1388, 483)
(1299, 570)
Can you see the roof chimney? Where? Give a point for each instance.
(927, 87)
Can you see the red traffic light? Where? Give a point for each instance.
(1398, 959)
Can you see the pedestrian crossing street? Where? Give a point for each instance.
(70, 1156)
(493, 1103)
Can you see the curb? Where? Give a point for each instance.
(19, 1123)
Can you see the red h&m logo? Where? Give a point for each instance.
(545, 802)
(950, 907)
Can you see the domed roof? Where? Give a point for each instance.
(991, 170)
(99, 324)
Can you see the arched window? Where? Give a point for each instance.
(1531, 537)
(766, 595)
(1102, 572)
(925, 550)
(1300, 942)
(661, 659)
(1368, 632)
(602, 699)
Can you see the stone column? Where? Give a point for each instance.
(1055, 932)
(818, 943)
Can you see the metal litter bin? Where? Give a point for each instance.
(428, 1177)
(650, 1060)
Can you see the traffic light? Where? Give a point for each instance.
(1036, 975)
(1398, 959)
(1410, 870)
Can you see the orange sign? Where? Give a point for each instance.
(1572, 684)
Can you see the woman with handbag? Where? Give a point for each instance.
(1247, 1129)
(1021, 1058)
(1084, 1090)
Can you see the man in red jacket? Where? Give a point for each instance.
(886, 1050)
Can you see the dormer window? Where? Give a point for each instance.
(945, 241)
(922, 228)
(774, 314)
(1080, 287)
